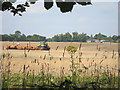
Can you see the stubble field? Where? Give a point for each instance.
(98, 57)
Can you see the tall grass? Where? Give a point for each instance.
(77, 80)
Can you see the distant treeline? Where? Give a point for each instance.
(67, 37)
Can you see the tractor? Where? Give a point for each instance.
(43, 46)
(14, 46)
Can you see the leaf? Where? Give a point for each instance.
(77, 63)
(20, 14)
(69, 76)
(32, 1)
(6, 5)
(65, 6)
(71, 49)
(85, 67)
(58, 3)
(51, 80)
(87, 2)
(26, 4)
(21, 8)
(79, 70)
(48, 4)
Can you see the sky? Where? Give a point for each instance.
(100, 17)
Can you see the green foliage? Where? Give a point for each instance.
(79, 70)
(84, 67)
(100, 36)
(65, 6)
(67, 37)
(81, 82)
(18, 37)
(48, 4)
(71, 49)
(83, 37)
(20, 8)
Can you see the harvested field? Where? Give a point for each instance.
(98, 57)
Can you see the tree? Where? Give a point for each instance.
(100, 36)
(115, 38)
(109, 38)
(75, 37)
(5, 37)
(17, 35)
(0, 37)
(67, 37)
(29, 37)
(91, 37)
(36, 37)
(12, 37)
(82, 37)
(23, 37)
(56, 38)
(64, 5)
(49, 40)
(61, 37)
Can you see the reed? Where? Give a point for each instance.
(57, 47)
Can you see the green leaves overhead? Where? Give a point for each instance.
(65, 6)
(48, 4)
(6, 6)
(84, 3)
(32, 1)
(21, 8)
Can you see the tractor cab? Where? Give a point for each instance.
(43, 43)
(43, 46)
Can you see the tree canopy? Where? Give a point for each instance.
(64, 5)
(67, 37)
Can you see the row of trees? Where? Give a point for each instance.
(17, 36)
(83, 37)
(67, 37)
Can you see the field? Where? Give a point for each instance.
(90, 58)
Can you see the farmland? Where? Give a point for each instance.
(96, 57)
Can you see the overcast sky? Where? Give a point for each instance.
(99, 17)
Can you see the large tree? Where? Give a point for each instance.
(75, 37)
(100, 36)
(64, 5)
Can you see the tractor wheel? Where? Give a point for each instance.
(15, 47)
(8, 47)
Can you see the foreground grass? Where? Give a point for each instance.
(74, 81)
(65, 82)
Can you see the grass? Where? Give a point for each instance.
(49, 81)
(89, 66)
